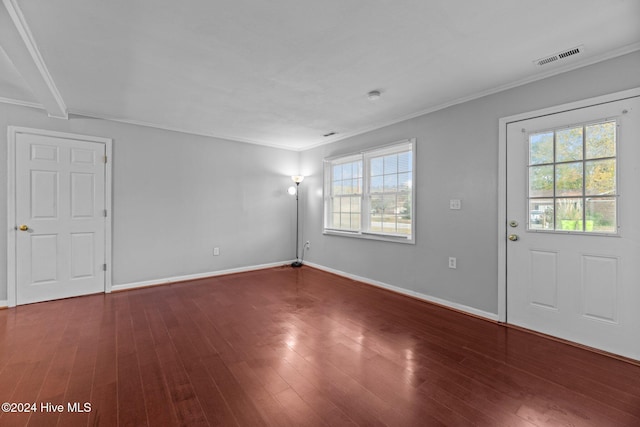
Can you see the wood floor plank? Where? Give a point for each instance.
(573, 407)
(363, 407)
(104, 393)
(215, 407)
(131, 404)
(23, 376)
(183, 398)
(54, 388)
(78, 392)
(243, 409)
(296, 347)
(268, 405)
(154, 388)
(280, 377)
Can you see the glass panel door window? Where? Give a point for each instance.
(572, 179)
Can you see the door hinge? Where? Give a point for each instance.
(105, 213)
(104, 267)
(105, 159)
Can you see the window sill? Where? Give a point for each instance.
(400, 238)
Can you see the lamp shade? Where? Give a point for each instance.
(297, 178)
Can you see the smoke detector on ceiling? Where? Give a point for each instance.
(560, 56)
(374, 95)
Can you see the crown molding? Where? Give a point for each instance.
(21, 103)
(541, 76)
(179, 130)
(63, 113)
(40, 80)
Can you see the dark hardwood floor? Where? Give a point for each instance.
(295, 347)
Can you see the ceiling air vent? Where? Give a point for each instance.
(559, 56)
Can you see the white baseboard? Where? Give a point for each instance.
(414, 294)
(165, 281)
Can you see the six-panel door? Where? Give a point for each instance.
(60, 210)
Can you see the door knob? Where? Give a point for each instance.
(513, 237)
(23, 227)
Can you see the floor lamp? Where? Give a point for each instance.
(295, 190)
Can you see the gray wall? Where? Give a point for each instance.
(176, 196)
(457, 158)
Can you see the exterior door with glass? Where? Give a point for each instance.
(573, 250)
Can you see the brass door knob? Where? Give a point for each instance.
(513, 237)
(23, 227)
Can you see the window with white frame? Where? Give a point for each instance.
(573, 179)
(371, 194)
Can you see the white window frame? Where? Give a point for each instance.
(364, 231)
(584, 196)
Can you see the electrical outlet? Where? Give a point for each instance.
(455, 204)
(216, 251)
(307, 245)
(453, 262)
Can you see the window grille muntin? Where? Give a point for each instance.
(572, 181)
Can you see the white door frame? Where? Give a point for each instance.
(502, 178)
(12, 132)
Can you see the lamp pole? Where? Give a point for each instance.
(297, 179)
(297, 262)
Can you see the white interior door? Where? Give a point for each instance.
(573, 266)
(60, 217)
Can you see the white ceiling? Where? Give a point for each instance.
(286, 72)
